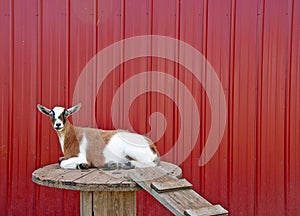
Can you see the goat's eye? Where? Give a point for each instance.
(65, 113)
(52, 114)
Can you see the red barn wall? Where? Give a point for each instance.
(253, 47)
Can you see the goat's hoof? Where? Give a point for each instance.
(83, 166)
(110, 166)
(128, 165)
(60, 160)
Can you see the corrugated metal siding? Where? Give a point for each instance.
(253, 46)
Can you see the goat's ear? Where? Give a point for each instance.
(73, 109)
(43, 109)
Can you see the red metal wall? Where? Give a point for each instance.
(253, 46)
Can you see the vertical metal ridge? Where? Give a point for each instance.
(261, 13)
(6, 69)
(203, 99)
(231, 102)
(36, 200)
(68, 50)
(11, 93)
(287, 155)
(176, 73)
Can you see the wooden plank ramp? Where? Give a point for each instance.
(174, 193)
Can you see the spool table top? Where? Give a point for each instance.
(93, 179)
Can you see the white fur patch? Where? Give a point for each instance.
(124, 144)
(82, 149)
(62, 142)
(72, 163)
(58, 111)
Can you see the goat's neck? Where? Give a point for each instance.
(67, 138)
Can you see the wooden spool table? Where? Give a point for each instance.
(101, 192)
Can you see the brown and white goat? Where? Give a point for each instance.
(91, 147)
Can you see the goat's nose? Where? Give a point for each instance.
(58, 124)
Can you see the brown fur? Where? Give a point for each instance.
(152, 146)
(107, 135)
(71, 141)
(97, 140)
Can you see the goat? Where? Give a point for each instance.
(90, 147)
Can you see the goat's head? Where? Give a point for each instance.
(58, 115)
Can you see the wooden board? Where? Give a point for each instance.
(171, 185)
(108, 203)
(116, 189)
(177, 201)
(215, 210)
(86, 203)
(92, 179)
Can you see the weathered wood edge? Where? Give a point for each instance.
(144, 178)
(214, 210)
(127, 185)
(132, 186)
(156, 195)
(176, 184)
(134, 174)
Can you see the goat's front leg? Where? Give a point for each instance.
(74, 163)
(61, 159)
